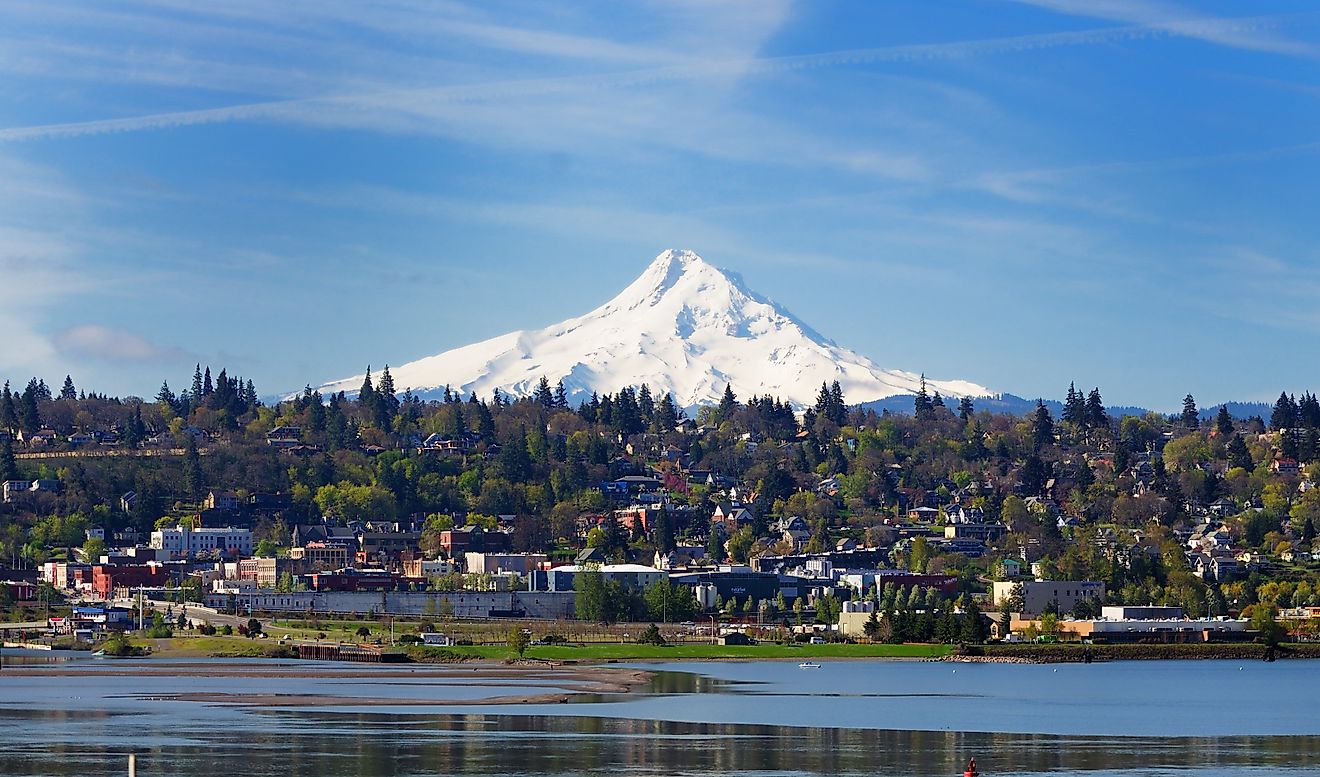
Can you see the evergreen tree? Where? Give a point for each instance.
(196, 392)
(663, 532)
(543, 396)
(1285, 413)
(1308, 531)
(8, 466)
(1190, 416)
(193, 480)
(1224, 421)
(1096, 417)
(937, 400)
(973, 626)
(666, 414)
(645, 404)
(715, 547)
(1034, 475)
(838, 408)
(367, 393)
(68, 391)
(561, 397)
(388, 396)
(1074, 407)
(8, 411)
(1042, 425)
(1288, 443)
(1238, 455)
(965, 409)
(166, 397)
(29, 414)
(922, 407)
(728, 403)
(1308, 411)
(207, 385)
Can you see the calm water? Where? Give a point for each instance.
(754, 718)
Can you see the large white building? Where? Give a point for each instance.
(183, 541)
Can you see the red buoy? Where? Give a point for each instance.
(971, 769)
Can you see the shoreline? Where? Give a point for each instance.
(566, 682)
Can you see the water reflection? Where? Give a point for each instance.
(375, 745)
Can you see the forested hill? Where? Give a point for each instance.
(1069, 487)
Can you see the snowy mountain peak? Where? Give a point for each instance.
(673, 271)
(684, 327)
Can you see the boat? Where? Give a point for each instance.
(808, 665)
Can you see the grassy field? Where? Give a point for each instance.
(203, 647)
(636, 652)
(242, 647)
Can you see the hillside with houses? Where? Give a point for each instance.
(945, 524)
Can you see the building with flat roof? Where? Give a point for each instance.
(186, 541)
(1038, 595)
(562, 578)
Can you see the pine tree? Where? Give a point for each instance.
(1190, 416)
(1074, 407)
(166, 397)
(922, 407)
(1238, 455)
(8, 466)
(193, 480)
(965, 409)
(1042, 425)
(1096, 417)
(29, 414)
(207, 385)
(8, 411)
(728, 403)
(68, 391)
(1285, 413)
(666, 414)
(542, 395)
(196, 391)
(645, 404)
(1308, 411)
(561, 396)
(367, 393)
(1224, 421)
(838, 408)
(389, 398)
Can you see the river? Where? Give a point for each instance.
(718, 718)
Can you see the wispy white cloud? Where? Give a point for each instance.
(103, 343)
(417, 109)
(1251, 34)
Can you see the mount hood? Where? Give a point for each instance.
(683, 327)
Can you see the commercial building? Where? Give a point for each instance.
(562, 578)
(186, 541)
(1040, 595)
(497, 563)
(319, 556)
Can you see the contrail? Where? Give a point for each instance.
(304, 109)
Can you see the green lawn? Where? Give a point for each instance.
(635, 652)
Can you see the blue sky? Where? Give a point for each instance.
(1117, 192)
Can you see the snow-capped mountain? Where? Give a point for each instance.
(684, 327)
